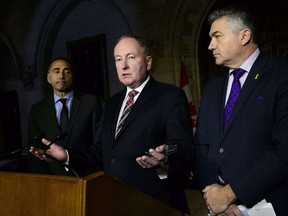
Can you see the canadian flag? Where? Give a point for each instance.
(184, 84)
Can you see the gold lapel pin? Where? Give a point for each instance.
(256, 77)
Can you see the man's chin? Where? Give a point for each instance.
(63, 90)
(127, 82)
(218, 62)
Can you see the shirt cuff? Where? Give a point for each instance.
(67, 161)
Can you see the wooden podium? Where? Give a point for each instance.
(24, 194)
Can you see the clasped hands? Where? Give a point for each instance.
(156, 158)
(220, 200)
(55, 151)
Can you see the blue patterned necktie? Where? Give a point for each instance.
(234, 93)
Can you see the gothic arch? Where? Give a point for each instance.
(9, 62)
(50, 29)
(184, 33)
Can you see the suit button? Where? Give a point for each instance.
(221, 150)
(112, 160)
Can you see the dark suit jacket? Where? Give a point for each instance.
(82, 140)
(252, 153)
(160, 115)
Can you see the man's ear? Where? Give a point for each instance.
(148, 63)
(245, 36)
(48, 78)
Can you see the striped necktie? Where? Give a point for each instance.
(126, 110)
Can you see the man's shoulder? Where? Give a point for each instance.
(41, 106)
(272, 60)
(85, 96)
(168, 86)
(168, 89)
(42, 102)
(117, 95)
(163, 85)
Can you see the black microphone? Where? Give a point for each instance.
(35, 139)
(61, 136)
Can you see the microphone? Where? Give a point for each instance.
(61, 136)
(35, 139)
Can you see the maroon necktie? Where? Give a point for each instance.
(126, 110)
(234, 93)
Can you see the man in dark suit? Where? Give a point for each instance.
(79, 149)
(246, 161)
(158, 120)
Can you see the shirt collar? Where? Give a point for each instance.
(248, 63)
(139, 88)
(68, 96)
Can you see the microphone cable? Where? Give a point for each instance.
(63, 164)
(37, 138)
(59, 137)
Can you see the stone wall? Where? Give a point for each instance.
(38, 31)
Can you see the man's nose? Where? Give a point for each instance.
(124, 64)
(62, 74)
(211, 45)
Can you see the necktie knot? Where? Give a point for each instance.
(63, 101)
(132, 94)
(238, 73)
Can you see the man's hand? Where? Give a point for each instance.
(156, 158)
(54, 151)
(233, 210)
(218, 198)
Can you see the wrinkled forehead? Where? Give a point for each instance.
(60, 64)
(126, 46)
(219, 25)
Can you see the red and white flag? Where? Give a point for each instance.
(184, 84)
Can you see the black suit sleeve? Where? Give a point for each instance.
(179, 132)
(86, 158)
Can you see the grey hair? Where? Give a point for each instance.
(143, 44)
(239, 18)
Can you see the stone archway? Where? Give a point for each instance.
(61, 17)
(186, 34)
(8, 63)
(10, 129)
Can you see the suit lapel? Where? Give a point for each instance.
(114, 113)
(254, 77)
(50, 113)
(76, 103)
(221, 98)
(146, 95)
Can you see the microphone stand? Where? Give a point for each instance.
(35, 139)
(59, 137)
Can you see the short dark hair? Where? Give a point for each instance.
(240, 17)
(61, 58)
